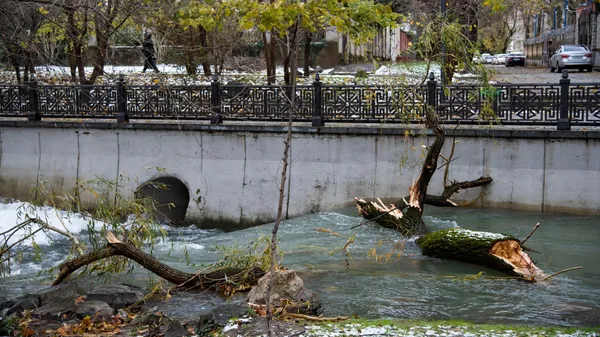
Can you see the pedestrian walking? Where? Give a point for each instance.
(148, 51)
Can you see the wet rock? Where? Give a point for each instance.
(151, 319)
(118, 296)
(60, 293)
(21, 303)
(97, 310)
(59, 309)
(223, 313)
(288, 290)
(219, 316)
(175, 329)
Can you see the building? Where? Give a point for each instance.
(546, 30)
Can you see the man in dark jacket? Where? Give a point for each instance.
(148, 51)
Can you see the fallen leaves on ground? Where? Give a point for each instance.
(89, 327)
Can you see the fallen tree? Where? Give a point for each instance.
(217, 279)
(498, 251)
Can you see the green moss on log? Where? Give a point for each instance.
(467, 246)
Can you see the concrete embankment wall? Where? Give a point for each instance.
(232, 171)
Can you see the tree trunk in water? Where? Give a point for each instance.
(497, 251)
(210, 280)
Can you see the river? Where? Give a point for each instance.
(407, 285)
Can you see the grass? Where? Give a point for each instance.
(438, 327)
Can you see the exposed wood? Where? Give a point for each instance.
(498, 251)
(209, 280)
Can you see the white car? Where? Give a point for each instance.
(487, 58)
(570, 56)
(499, 58)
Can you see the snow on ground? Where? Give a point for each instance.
(341, 329)
(170, 74)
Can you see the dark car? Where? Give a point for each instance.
(515, 59)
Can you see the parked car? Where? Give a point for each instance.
(487, 58)
(499, 59)
(570, 56)
(515, 59)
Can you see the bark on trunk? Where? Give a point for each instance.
(497, 251)
(203, 281)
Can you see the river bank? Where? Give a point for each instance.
(357, 327)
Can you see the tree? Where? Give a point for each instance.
(84, 20)
(283, 22)
(18, 41)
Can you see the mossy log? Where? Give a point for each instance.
(497, 251)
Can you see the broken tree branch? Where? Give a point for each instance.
(531, 233)
(203, 281)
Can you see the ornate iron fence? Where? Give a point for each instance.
(561, 104)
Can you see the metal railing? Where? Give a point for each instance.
(562, 104)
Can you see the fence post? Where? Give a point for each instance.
(215, 101)
(34, 107)
(317, 118)
(122, 115)
(564, 123)
(431, 84)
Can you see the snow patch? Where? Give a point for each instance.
(480, 235)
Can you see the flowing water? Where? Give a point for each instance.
(407, 285)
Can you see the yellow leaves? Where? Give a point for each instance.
(88, 326)
(42, 11)
(328, 231)
(495, 5)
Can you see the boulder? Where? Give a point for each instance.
(20, 304)
(97, 310)
(60, 293)
(175, 329)
(288, 290)
(59, 309)
(117, 296)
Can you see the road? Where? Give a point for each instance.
(504, 74)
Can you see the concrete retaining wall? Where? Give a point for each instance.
(232, 171)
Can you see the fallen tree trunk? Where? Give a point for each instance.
(201, 281)
(497, 251)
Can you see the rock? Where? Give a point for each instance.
(97, 310)
(116, 295)
(124, 315)
(60, 293)
(287, 287)
(60, 309)
(151, 320)
(219, 316)
(20, 304)
(175, 329)
(223, 313)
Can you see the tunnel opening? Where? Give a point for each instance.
(170, 197)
